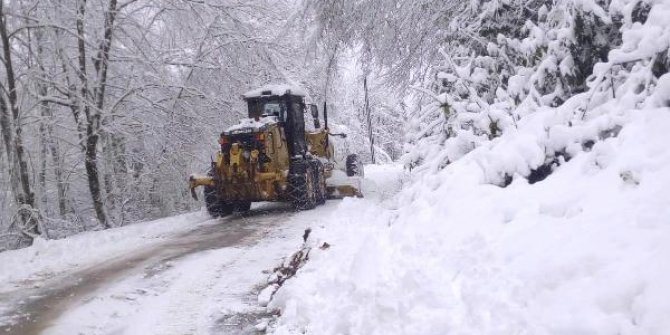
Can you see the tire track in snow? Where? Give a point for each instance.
(45, 308)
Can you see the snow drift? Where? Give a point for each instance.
(583, 252)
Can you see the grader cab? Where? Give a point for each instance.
(270, 156)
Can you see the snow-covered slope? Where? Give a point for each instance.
(582, 252)
(473, 247)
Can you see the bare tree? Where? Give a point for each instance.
(12, 128)
(118, 99)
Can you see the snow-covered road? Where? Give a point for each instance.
(176, 277)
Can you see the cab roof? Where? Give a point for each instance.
(274, 89)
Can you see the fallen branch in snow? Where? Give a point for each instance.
(287, 269)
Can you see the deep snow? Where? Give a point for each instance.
(470, 246)
(583, 252)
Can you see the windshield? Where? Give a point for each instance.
(271, 109)
(266, 107)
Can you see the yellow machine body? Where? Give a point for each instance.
(244, 176)
(271, 157)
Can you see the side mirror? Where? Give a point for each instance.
(315, 115)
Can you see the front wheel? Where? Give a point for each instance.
(215, 206)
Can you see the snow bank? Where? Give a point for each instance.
(582, 252)
(472, 247)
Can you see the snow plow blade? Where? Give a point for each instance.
(195, 181)
(342, 191)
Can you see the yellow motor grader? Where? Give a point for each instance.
(271, 157)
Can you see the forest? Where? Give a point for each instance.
(105, 104)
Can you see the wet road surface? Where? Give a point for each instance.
(40, 308)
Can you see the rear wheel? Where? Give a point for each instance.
(301, 190)
(215, 206)
(354, 166)
(243, 206)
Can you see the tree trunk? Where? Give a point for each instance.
(116, 172)
(101, 64)
(49, 143)
(26, 197)
(43, 121)
(44, 151)
(63, 208)
(91, 164)
(6, 129)
(92, 123)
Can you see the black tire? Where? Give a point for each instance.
(320, 183)
(354, 166)
(301, 190)
(243, 206)
(215, 206)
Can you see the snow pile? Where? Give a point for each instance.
(556, 225)
(582, 252)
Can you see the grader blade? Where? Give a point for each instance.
(343, 191)
(196, 180)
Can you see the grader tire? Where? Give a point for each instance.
(354, 166)
(242, 206)
(216, 207)
(301, 190)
